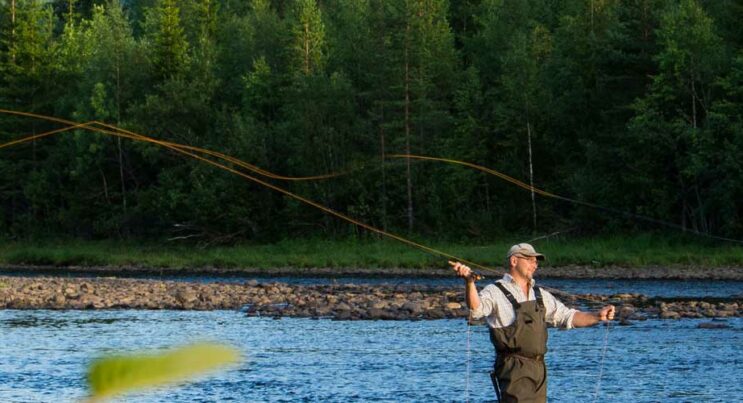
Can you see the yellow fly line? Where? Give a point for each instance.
(189, 151)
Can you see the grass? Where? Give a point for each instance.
(621, 250)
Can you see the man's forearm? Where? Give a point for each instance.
(471, 296)
(585, 319)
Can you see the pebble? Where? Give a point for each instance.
(337, 301)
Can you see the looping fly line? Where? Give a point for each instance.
(191, 151)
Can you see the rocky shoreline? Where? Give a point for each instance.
(340, 302)
(567, 272)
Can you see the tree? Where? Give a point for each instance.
(26, 79)
(308, 34)
(166, 41)
(670, 118)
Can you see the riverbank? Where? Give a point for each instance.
(563, 272)
(342, 302)
(656, 256)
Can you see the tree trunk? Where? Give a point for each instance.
(531, 166)
(693, 103)
(306, 49)
(407, 131)
(12, 28)
(531, 179)
(384, 171)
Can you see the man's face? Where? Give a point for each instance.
(524, 266)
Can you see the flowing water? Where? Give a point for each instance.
(45, 354)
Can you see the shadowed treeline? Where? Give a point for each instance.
(633, 105)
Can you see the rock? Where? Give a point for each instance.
(71, 293)
(415, 296)
(728, 307)
(638, 316)
(322, 311)
(713, 325)
(186, 296)
(454, 305)
(626, 311)
(58, 301)
(725, 314)
(436, 314)
(669, 315)
(412, 307)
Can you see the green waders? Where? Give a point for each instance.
(520, 374)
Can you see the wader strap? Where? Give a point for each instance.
(508, 295)
(512, 299)
(496, 385)
(538, 296)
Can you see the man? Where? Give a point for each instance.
(518, 314)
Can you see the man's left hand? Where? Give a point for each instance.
(607, 313)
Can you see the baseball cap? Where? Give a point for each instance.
(524, 249)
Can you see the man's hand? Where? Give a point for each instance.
(606, 313)
(470, 288)
(464, 271)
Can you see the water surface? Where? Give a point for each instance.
(45, 354)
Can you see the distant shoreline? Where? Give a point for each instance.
(563, 272)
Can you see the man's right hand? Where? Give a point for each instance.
(464, 271)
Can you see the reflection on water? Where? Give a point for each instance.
(45, 357)
(32, 320)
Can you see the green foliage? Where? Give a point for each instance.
(627, 250)
(308, 32)
(119, 374)
(633, 105)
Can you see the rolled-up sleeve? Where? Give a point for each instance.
(557, 315)
(487, 302)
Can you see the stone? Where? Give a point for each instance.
(343, 315)
(669, 315)
(412, 307)
(454, 305)
(626, 311)
(713, 325)
(71, 293)
(186, 296)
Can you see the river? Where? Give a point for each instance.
(45, 354)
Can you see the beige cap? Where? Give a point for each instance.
(524, 249)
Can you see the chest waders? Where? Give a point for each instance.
(519, 374)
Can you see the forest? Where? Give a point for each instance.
(635, 106)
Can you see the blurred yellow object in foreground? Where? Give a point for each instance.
(123, 373)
